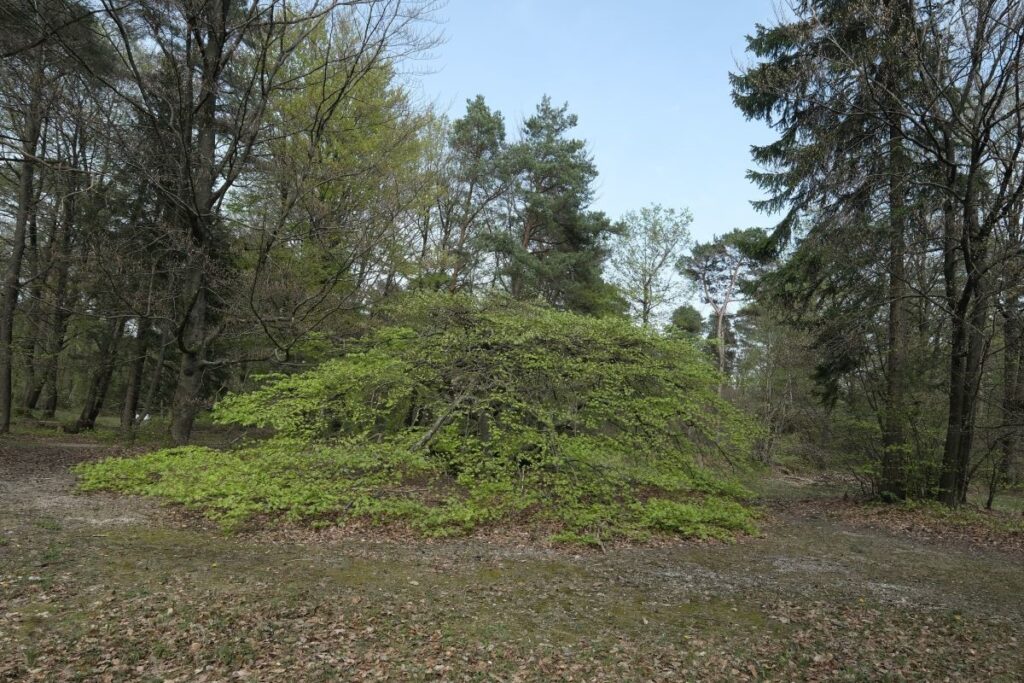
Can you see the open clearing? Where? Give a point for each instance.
(113, 588)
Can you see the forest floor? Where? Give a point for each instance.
(109, 588)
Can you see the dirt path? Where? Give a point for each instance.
(113, 588)
(35, 482)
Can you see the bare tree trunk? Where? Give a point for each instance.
(720, 317)
(12, 274)
(34, 391)
(32, 311)
(35, 346)
(58, 315)
(59, 264)
(720, 336)
(1013, 398)
(958, 302)
(966, 359)
(130, 406)
(188, 392)
(100, 381)
(187, 399)
(893, 481)
(156, 375)
(646, 306)
(192, 335)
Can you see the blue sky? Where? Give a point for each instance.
(648, 80)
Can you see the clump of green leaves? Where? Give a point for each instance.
(459, 413)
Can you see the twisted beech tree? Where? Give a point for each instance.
(593, 425)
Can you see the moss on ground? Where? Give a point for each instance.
(820, 596)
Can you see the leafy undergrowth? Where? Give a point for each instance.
(459, 414)
(332, 487)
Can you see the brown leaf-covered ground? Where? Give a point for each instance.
(106, 588)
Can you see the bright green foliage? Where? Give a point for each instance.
(652, 240)
(320, 219)
(461, 413)
(708, 519)
(471, 187)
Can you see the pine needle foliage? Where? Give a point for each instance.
(459, 413)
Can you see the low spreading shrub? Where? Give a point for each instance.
(459, 413)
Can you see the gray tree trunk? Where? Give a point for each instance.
(12, 274)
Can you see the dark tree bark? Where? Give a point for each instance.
(100, 381)
(155, 381)
(31, 129)
(969, 320)
(58, 313)
(893, 482)
(60, 267)
(1013, 398)
(894, 471)
(130, 405)
(32, 310)
(193, 335)
(192, 344)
